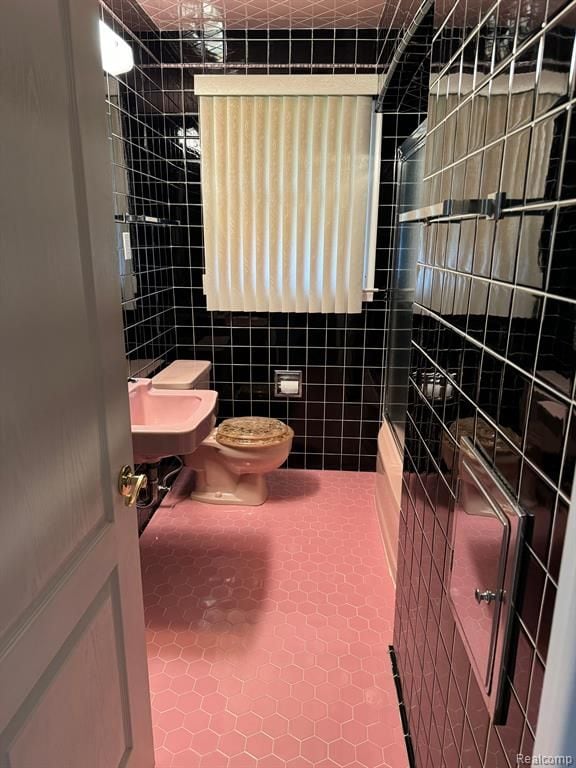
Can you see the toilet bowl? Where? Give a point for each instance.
(231, 463)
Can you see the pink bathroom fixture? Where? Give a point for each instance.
(169, 422)
(171, 417)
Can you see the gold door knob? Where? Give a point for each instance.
(130, 485)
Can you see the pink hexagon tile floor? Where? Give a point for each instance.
(268, 629)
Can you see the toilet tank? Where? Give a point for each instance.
(184, 374)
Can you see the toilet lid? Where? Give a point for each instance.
(253, 431)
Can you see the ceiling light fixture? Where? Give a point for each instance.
(117, 56)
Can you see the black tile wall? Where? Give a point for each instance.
(342, 357)
(494, 326)
(141, 163)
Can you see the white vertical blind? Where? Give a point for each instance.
(285, 184)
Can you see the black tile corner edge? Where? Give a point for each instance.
(402, 708)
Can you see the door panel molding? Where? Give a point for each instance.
(106, 598)
(23, 660)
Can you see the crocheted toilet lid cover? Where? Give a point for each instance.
(253, 431)
(485, 434)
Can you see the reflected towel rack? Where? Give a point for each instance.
(129, 218)
(488, 207)
(494, 207)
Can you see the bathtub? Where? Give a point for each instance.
(388, 489)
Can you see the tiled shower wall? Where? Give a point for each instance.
(493, 355)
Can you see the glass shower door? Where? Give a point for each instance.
(408, 240)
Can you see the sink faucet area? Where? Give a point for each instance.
(169, 422)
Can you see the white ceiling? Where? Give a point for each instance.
(276, 14)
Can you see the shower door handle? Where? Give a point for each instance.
(484, 596)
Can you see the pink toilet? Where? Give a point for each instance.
(231, 463)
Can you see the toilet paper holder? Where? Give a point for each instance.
(287, 383)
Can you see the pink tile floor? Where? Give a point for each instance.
(268, 629)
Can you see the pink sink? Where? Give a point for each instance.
(169, 422)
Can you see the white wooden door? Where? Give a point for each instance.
(73, 677)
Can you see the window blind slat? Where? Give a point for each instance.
(303, 197)
(359, 183)
(207, 194)
(213, 243)
(350, 266)
(343, 220)
(244, 295)
(260, 196)
(232, 224)
(273, 159)
(317, 162)
(289, 205)
(332, 193)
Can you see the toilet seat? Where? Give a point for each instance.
(253, 432)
